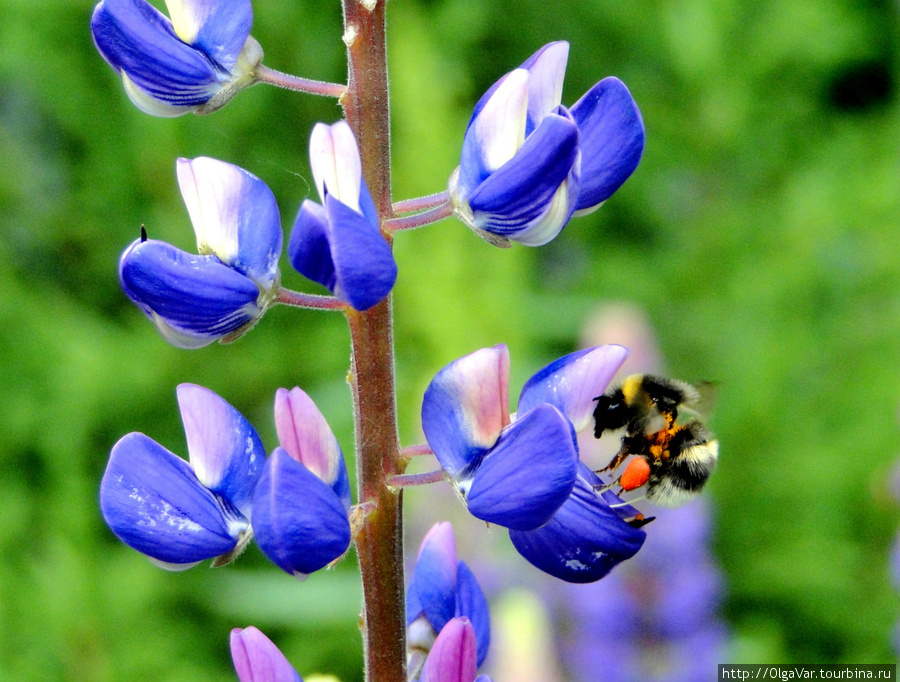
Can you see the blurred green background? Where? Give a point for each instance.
(759, 234)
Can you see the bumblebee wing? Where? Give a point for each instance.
(702, 407)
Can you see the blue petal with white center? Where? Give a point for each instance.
(528, 474)
(196, 63)
(218, 295)
(152, 500)
(585, 539)
(192, 300)
(235, 217)
(528, 164)
(339, 244)
(225, 451)
(298, 520)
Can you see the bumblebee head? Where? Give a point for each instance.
(611, 412)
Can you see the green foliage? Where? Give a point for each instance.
(759, 234)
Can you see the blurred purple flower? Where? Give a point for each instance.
(196, 61)
(656, 619)
(529, 163)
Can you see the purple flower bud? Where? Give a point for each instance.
(218, 295)
(528, 163)
(195, 62)
(257, 659)
(338, 243)
(176, 513)
(442, 588)
(453, 656)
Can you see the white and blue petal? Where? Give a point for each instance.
(336, 166)
(471, 603)
(257, 659)
(193, 300)
(547, 68)
(584, 540)
(612, 141)
(525, 477)
(298, 521)
(218, 28)
(572, 383)
(541, 180)
(306, 436)
(235, 217)
(465, 408)
(154, 503)
(226, 453)
(496, 132)
(141, 45)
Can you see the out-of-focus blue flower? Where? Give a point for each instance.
(257, 659)
(529, 163)
(176, 513)
(442, 588)
(302, 501)
(453, 656)
(657, 618)
(196, 62)
(218, 295)
(514, 473)
(338, 243)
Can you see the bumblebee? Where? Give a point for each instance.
(674, 459)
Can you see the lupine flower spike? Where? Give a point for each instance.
(196, 61)
(257, 659)
(440, 589)
(176, 513)
(528, 163)
(218, 295)
(453, 656)
(338, 243)
(301, 505)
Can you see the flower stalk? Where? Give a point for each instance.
(379, 542)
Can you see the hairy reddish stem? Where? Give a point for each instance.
(379, 542)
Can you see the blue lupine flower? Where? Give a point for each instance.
(453, 656)
(218, 295)
(196, 62)
(338, 243)
(442, 588)
(302, 501)
(257, 659)
(516, 474)
(176, 513)
(529, 163)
